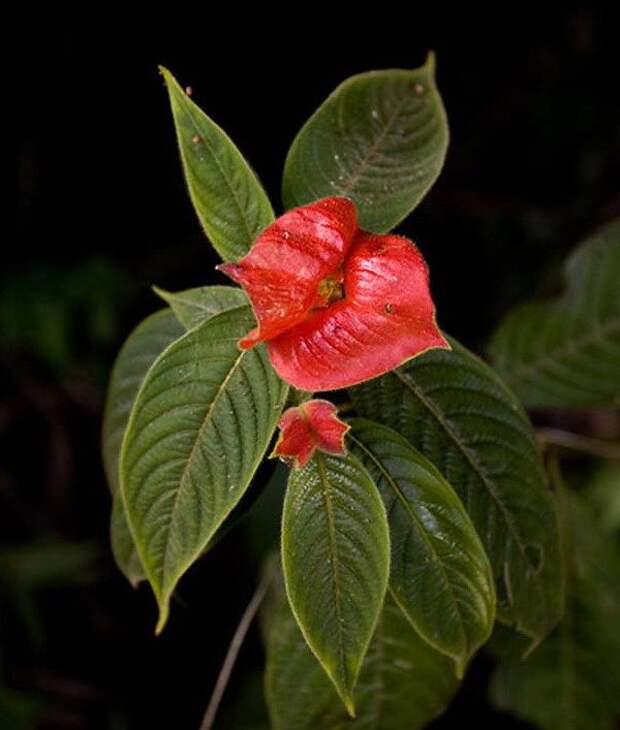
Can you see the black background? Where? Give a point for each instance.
(533, 166)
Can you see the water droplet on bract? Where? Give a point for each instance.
(374, 114)
(336, 157)
(286, 235)
(196, 138)
(388, 308)
(188, 90)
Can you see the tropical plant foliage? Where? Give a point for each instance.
(402, 545)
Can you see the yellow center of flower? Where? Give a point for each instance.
(330, 290)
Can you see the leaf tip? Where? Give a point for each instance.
(460, 665)
(162, 293)
(534, 644)
(163, 617)
(349, 705)
(430, 63)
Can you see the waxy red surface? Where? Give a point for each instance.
(310, 426)
(336, 305)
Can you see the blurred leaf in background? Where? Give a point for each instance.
(64, 315)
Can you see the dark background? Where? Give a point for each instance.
(101, 213)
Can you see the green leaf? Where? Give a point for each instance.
(201, 424)
(565, 353)
(228, 198)
(141, 349)
(403, 683)
(571, 682)
(123, 545)
(440, 575)
(604, 494)
(380, 139)
(193, 306)
(335, 557)
(459, 414)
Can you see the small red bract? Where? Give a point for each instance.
(337, 305)
(310, 426)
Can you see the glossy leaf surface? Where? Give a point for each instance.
(230, 202)
(565, 353)
(458, 413)
(202, 421)
(440, 575)
(404, 683)
(380, 139)
(335, 558)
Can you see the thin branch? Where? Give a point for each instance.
(233, 651)
(576, 442)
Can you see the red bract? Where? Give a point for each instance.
(304, 429)
(336, 305)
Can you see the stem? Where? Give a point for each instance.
(576, 442)
(233, 651)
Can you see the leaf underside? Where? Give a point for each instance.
(140, 350)
(194, 306)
